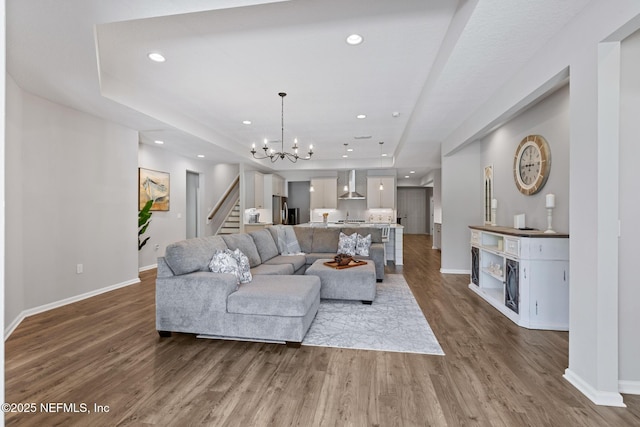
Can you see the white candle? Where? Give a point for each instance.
(551, 201)
(494, 203)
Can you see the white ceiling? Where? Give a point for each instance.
(435, 62)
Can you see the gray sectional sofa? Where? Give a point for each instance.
(278, 304)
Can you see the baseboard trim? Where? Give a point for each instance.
(454, 271)
(604, 398)
(148, 267)
(41, 309)
(629, 387)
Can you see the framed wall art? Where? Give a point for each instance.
(488, 193)
(153, 185)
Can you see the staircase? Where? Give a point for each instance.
(231, 224)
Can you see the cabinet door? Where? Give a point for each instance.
(549, 291)
(373, 193)
(384, 198)
(277, 185)
(388, 195)
(330, 196)
(316, 196)
(258, 183)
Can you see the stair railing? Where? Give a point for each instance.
(225, 204)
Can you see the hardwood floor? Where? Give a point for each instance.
(106, 351)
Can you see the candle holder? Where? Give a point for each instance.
(549, 220)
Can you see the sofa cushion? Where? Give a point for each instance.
(285, 239)
(275, 296)
(265, 244)
(325, 239)
(304, 236)
(272, 269)
(191, 255)
(245, 243)
(297, 261)
(347, 244)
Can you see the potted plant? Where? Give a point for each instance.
(144, 219)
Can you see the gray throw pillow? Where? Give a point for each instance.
(347, 244)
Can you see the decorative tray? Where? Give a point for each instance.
(353, 263)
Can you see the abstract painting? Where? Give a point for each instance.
(153, 185)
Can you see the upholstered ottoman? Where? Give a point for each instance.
(355, 283)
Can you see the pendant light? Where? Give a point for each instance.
(381, 186)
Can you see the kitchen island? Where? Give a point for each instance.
(393, 248)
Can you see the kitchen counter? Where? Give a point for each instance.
(393, 247)
(349, 224)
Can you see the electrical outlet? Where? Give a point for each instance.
(157, 246)
(79, 269)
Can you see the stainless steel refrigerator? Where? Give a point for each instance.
(280, 210)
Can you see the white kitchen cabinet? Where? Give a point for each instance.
(254, 190)
(324, 194)
(523, 274)
(385, 198)
(277, 185)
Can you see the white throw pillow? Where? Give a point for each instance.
(244, 269)
(224, 262)
(363, 244)
(347, 244)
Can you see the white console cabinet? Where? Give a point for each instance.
(523, 274)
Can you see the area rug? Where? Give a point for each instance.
(393, 322)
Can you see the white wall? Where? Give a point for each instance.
(629, 291)
(593, 177)
(461, 192)
(170, 226)
(549, 118)
(72, 199)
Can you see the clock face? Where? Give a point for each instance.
(532, 164)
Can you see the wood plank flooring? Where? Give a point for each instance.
(105, 351)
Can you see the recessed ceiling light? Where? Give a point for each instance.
(395, 114)
(349, 149)
(344, 155)
(157, 141)
(156, 57)
(361, 116)
(384, 154)
(412, 171)
(354, 39)
(201, 156)
(406, 176)
(246, 122)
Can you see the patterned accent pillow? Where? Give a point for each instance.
(363, 244)
(347, 244)
(244, 269)
(224, 262)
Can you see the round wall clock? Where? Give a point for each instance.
(532, 164)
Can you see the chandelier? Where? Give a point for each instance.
(274, 155)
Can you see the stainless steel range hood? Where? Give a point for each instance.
(352, 194)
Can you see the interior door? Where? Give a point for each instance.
(413, 210)
(192, 216)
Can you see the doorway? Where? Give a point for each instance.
(413, 209)
(193, 205)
